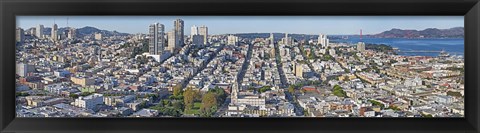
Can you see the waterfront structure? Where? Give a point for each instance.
(156, 39)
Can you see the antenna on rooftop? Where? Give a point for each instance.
(67, 21)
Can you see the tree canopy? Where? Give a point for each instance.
(189, 98)
(209, 104)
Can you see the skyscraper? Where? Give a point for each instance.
(203, 30)
(20, 36)
(39, 31)
(287, 40)
(271, 39)
(156, 39)
(193, 31)
(178, 24)
(172, 41)
(54, 32)
(71, 33)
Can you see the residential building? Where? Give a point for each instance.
(179, 25)
(89, 102)
(54, 33)
(39, 31)
(98, 36)
(156, 39)
(203, 30)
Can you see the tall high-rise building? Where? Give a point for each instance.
(287, 40)
(156, 39)
(172, 41)
(272, 39)
(193, 31)
(323, 40)
(179, 25)
(20, 35)
(39, 31)
(361, 46)
(54, 32)
(203, 30)
(71, 33)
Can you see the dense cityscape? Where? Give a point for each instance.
(168, 73)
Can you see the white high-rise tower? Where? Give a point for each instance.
(203, 30)
(156, 39)
(193, 31)
(179, 25)
(54, 33)
(39, 31)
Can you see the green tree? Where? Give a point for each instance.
(74, 96)
(189, 98)
(177, 90)
(377, 103)
(264, 89)
(291, 89)
(219, 94)
(209, 104)
(338, 91)
(21, 94)
(85, 94)
(178, 105)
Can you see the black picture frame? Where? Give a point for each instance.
(470, 9)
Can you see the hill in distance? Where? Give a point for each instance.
(456, 32)
(84, 31)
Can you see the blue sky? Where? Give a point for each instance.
(332, 25)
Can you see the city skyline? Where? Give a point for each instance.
(344, 25)
(166, 73)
